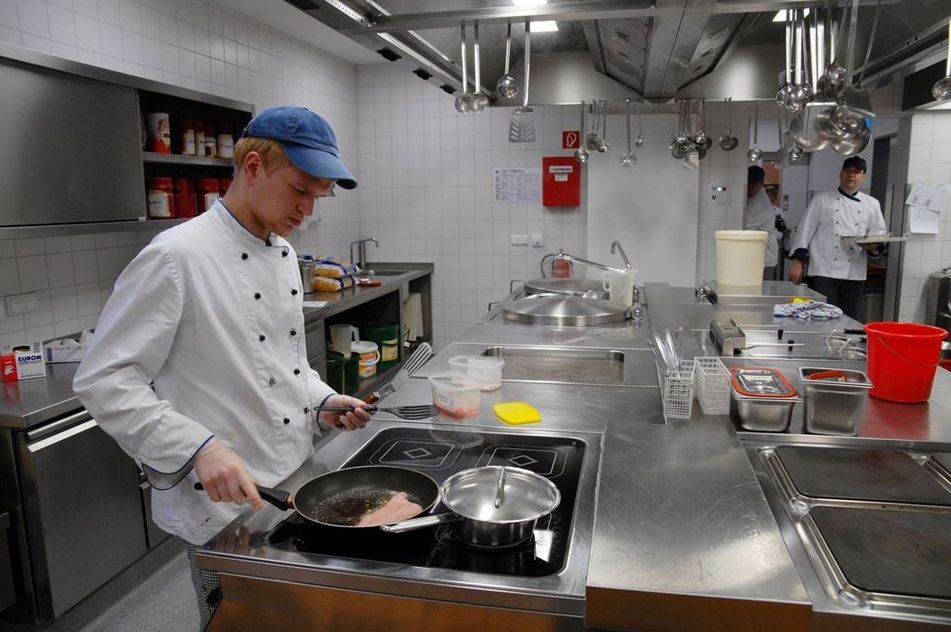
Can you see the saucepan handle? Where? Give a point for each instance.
(419, 523)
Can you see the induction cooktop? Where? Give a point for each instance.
(439, 454)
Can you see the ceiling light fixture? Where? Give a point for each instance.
(781, 15)
(546, 26)
(529, 3)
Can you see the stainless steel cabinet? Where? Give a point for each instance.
(82, 510)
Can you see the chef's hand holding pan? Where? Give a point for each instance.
(353, 420)
(224, 477)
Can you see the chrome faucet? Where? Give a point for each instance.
(567, 257)
(616, 246)
(362, 243)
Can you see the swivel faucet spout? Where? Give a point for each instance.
(616, 246)
(361, 260)
(567, 257)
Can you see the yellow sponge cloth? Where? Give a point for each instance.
(516, 413)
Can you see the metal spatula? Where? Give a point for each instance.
(418, 358)
(522, 127)
(413, 412)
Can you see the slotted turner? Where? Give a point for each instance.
(413, 412)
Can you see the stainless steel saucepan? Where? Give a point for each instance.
(490, 506)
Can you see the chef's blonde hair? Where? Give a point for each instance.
(271, 152)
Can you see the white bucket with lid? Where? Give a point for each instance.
(369, 357)
(740, 257)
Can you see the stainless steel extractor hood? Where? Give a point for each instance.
(655, 49)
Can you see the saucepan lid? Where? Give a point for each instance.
(523, 495)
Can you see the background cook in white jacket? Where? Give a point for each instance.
(761, 215)
(839, 268)
(199, 358)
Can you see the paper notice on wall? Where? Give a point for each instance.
(928, 196)
(517, 186)
(923, 220)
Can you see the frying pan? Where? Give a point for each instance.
(340, 498)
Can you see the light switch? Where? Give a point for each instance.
(21, 304)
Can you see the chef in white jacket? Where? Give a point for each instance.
(837, 267)
(761, 215)
(199, 368)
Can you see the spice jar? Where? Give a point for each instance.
(161, 201)
(225, 141)
(188, 137)
(160, 132)
(211, 141)
(184, 198)
(207, 192)
(199, 137)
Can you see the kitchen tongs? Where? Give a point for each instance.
(413, 412)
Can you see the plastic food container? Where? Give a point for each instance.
(484, 370)
(740, 256)
(761, 399)
(834, 399)
(455, 395)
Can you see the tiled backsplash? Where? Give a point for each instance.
(929, 162)
(188, 43)
(425, 171)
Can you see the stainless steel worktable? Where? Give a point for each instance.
(679, 534)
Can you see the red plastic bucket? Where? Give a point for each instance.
(902, 359)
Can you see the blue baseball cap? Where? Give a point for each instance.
(307, 139)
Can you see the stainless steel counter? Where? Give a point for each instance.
(336, 302)
(29, 403)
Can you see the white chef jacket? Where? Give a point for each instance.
(211, 317)
(830, 216)
(761, 215)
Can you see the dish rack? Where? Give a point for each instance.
(677, 389)
(713, 385)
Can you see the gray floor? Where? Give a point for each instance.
(153, 595)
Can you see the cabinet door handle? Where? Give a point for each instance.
(61, 436)
(59, 424)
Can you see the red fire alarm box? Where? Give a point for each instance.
(561, 181)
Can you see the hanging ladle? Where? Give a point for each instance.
(755, 153)
(507, 87)
(603, 144)
(727, 141)
(628, 158)
(479, 100)
(639, 141)
(942, 87)
(581, 154)
(464, 100)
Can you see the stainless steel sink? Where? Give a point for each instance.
(546, 364)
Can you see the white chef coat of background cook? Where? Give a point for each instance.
(829, 217)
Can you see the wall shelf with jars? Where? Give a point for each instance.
(187, 151)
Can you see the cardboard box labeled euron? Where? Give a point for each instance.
(22, 362)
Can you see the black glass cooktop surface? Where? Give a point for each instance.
(439, 454)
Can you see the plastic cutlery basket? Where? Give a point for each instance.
(678, 393)
(713, 385)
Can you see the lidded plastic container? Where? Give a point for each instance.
(455, 395)
(740, 257)
(761, 399)
(486, 371)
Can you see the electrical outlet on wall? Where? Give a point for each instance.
(538, 239)
(20, 304)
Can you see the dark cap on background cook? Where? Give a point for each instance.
(855, 162)
(307, 139)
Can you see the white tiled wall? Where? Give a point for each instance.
(929, 162)
(188, 43)
(426, 192)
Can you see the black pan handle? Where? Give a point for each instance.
(856, 332)
(277, 497)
